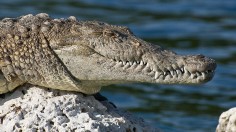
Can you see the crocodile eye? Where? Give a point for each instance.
(109, 33)
(114, 35)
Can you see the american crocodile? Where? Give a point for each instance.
(82, 56)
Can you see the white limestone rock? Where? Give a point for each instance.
(227, 121)
(36, 109)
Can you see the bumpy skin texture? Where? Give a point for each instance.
(82, 56)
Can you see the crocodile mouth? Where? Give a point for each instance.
(170, 75)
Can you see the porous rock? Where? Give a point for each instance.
(227, 121)
(39, 109)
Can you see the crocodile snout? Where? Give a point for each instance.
(199, 63)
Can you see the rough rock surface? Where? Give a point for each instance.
(227, 121)
(37, 109)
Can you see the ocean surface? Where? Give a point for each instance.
(186, 26)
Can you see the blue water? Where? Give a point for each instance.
(186, 26)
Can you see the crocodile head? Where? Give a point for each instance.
(100, 54)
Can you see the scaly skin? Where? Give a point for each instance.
(82, 56)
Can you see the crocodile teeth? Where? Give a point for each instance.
(172, 72)
(204, 75)
(141, 63)
(198, 73)
(124, 63)
(178, 73)
(167, 73)
(192, 76)
(157, 75)
(120, 63)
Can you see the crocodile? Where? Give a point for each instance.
(83, 56)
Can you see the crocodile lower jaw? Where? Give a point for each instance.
(168, 76)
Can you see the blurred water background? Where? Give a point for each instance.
(186, 26)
